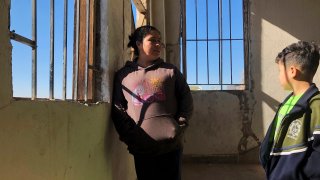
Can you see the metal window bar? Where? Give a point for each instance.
(207, 43)
(51, 87)
(65, 40)
(76, 63)
(34, 50)
(52, 45)
(246, 45)
(196, 3)
(216, 84)
(210, 39)
(230, 36)
(33, 44)
(184, 35)
(221, 41)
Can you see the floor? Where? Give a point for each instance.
(230, 171)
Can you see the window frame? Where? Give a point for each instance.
(246, 82)
(85, 71)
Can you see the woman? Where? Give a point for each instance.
(152, 104)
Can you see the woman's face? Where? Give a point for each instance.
(151, 46)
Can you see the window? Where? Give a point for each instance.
(214, 44)
(53, 52)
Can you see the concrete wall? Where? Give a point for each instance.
(166, 17)
(62, 140)
(221, 119)
(276, 24)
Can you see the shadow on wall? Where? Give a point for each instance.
(247, 129)
(289, 16)
(298, 18)
(271, 102)
(122, 166)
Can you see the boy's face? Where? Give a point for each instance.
(284, 76)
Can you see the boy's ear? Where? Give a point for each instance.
(293, 72)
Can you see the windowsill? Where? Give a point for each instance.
(240, 87)
(57, 100)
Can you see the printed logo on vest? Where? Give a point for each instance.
(294, 129)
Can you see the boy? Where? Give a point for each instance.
(291, 148)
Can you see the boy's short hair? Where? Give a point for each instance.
(303, 54)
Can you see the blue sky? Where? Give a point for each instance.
(213, 46)
(21, 54)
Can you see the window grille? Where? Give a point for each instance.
(213, 44)
(60, 44)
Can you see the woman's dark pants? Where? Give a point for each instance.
(163, 167)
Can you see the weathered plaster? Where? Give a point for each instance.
(220, 118)
(53, 140)
(63, 140)
(5, 55)
(57, 139)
